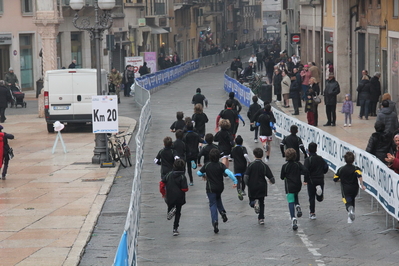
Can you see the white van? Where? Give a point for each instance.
(67, 95)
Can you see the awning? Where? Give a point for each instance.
(157, 30)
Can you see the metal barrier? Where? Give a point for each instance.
(127, 249)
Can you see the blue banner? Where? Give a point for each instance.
(162, 77)
(121, 258)
(242, 93)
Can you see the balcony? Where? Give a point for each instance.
(135, 3)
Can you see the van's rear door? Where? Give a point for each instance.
(60, 98)
(84, 87)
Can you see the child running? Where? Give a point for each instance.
(213, 172)
(350, 177)
(192, 139)
(317, 167)
(173, 188)
(204, 152)
(179, 146)
(291, 174)
(225, 139)
(240, 155)
(257, 185)
(166, 157)
(179, 123)
(200, 119)
(266, 121)
(293, 141)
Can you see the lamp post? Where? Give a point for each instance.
(102, 22)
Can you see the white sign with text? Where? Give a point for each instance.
(105, 114)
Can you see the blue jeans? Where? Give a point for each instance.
(304, 90)
(215, 205)
(364, 108)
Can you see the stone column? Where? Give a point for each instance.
(47, 22)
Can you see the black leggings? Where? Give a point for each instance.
(177, 215)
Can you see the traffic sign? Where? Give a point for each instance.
(296, 38)
(105, 114)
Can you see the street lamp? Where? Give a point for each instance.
(103, 21)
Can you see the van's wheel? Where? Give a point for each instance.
(50, 128)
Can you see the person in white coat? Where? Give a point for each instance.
(285, 88)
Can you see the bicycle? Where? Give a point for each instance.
(119, 150)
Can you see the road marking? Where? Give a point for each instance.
(310, 247)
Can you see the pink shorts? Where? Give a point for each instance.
(263, 139)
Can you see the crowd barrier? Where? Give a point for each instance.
(126, 253)
(381, 182)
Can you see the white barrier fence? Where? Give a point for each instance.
(381, 182)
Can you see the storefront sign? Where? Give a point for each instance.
(6, 38)
(136, 62)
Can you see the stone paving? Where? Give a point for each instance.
(329, 240)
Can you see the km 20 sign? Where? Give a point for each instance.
(105, 113)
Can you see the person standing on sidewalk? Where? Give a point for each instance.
(291, 174)
(350, 177)
(115, 80)
(347, 109)
(257, 185)
(363, 97)
(304, 81)
(317, 167)
(173, 188)
(330, 99)
(375, 93)
(4, 137)
(5, 98)
(285, 88)
(212, 172)
(128, 80)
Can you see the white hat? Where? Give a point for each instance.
(58, 126)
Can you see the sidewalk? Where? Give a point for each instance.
(49, 203)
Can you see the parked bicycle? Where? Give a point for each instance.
(119, 150)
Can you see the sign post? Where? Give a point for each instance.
(105, 119)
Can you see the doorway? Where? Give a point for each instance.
(4, 60)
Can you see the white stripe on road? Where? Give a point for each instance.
(310, 247)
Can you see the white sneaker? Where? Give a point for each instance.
(266, 160)
(294, 224)
(349, 125)
(319, 191)
(349, 220)
(344, 125)
(255, 140)
(312, 216)
(351, 213)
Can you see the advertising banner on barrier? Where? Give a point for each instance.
(159, 78)
(380, 181)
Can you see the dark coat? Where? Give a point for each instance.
(277, 84)
(295, 88)
(375, 88)
(389, 118)
(176, 185)
(380, 143)
(291, 174)
(363, 91)
(5, 96)
(331, 91)
(255, 179)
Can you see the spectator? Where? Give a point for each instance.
(363, 97)
(176, 59)
(6, 148)
(305, 76)
(392, 104)
(5, 97)
(248, 71)
(234, 68)
(128, 80)
(375, 93)
(285, 88)
(330, 99)
(144, 70)
(73, 64)
(277, 84)
(388, 117)
(10, 78)
(380, 142)
(254, 62)
(115, 80)
(316, 89)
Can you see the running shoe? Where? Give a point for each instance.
(224, 216)
(266, 160)
(294, 224)
(175, 232)
(216, 227)
(171, 213)
(256, 206)
(298, 210)
(349, 220)
(191, 184)
(255, 140)
(312, 216)
(261, 221)
(243, 193)
(240, 195)
(319, 191)
(351, 213)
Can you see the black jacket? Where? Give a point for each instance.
(277, 84)
(291, 174)
(375, 88)
(295, 142)
(176, 185)
(255, 179)
(363, 90)
(331, 91)
(317, 167)
(5, 96)
(380, 143)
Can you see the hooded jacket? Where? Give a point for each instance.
(380, 143)
(389, 118)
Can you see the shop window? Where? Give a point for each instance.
(26, 61)
(27, 7)
(76, 48)
(395, 8)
